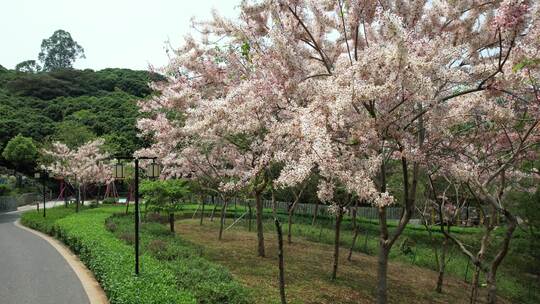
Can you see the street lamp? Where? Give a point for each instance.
(39, 176)
(153, 171)
(118, 171)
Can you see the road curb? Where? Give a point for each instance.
(93, 290)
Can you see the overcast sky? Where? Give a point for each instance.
(113, 33)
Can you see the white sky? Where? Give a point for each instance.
(113, 33)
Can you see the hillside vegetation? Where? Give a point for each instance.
(73, 106)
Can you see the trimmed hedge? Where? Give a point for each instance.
(110, 259)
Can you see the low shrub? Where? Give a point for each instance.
(110, 225)
(157, 218)
(129, 238)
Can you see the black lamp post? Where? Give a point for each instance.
(41, 175)
(153, 171)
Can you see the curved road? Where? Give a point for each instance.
(32, 271)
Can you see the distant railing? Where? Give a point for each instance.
(31, 198)
(8, 203)
(392, 213)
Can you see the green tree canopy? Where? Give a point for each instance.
(28, 66)
(164, 195)
(21, 152)
(72, 133)
(59, 51)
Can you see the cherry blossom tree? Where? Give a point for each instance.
(85, 165)
(485, 140)
(349, 89)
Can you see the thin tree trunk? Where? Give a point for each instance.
(171, 221)
(83, 194)
(250, 216)
(202, 211)
(222, 218)
(274, 212)
(281, 262)
(355, 229)
(65, 195)
(315, 213)
(339, 216)
(474, 284)
(382, 271)
(289, 228)
(213, 210)
(127, 201)
(349, 258)
(78, 198)
(98, 194)
(442, 265)
(260, 235)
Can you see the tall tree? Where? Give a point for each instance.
(59, 51)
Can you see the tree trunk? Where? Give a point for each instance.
(250, 216)
(213, 210)
(222, 218)
(65, 195)
(474, 284)
(442, 265)
(83, 194)
(492, 274)
(260, 235)
(339, 216)
(274, 212)
(349, 258)
(355, 228)
(202, 211)
(78, 198)
(382, 270)
(171, 221)
(289, 228)
(281, 262)
(315, 213)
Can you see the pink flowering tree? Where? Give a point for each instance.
(85, 165)
(351, 89)
(490, 139)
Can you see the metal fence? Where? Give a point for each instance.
(392, 213)
(8, 203)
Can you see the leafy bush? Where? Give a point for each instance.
(4, 189)
(110, 259)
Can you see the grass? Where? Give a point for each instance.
(308, 266)
(512, 281)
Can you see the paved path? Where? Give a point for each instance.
(32, 271)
